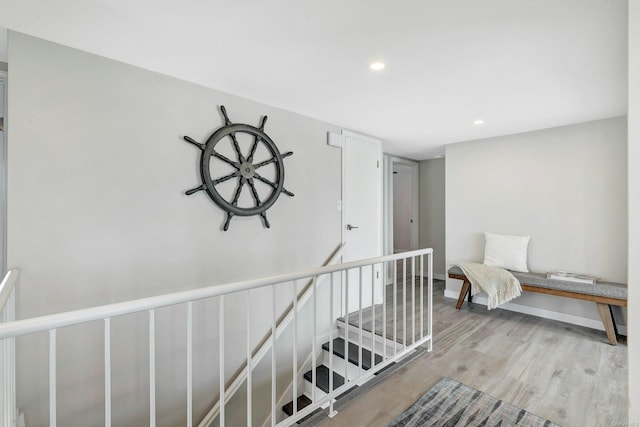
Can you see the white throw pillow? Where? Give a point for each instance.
(506, 251)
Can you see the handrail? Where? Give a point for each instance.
(352, 295)
(263, 347)
(61, 320)
(8, 283)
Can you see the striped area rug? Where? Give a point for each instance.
(450, 403)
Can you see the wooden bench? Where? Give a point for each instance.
(604, 294)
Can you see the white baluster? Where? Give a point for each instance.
(314, 283)
(273, 357)
(384, 310)
(52, 378)
(430, 296)
(249, 367)
(332, 412)
(152, 368)
(359, 322)
(346, 335)
(421, 296)
(221, 348)
(395, 308)
(107, 372)
(413, 300)
(404, 303)
(189, 364)
(373, 315)
(295, 347)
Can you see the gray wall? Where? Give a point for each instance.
(634, 212)
(97, 214)
(566, 187)
(432, 211)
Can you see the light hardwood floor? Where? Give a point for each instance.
(565, 373)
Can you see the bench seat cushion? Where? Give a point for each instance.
(603, 289)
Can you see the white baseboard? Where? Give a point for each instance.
(541, 312)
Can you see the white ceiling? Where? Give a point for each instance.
(518, 64)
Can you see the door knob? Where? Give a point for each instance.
(351, 227)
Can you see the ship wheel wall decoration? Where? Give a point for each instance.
(219, 171)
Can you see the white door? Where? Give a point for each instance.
(362, 215)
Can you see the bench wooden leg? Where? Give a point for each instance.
(607, 321)
(466, 287)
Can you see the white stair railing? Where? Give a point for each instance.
(8, 408)
(405, 323)
(264, 347)
(362, 270)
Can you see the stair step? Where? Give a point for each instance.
(322, 378)
(338, 350)
(303, 402)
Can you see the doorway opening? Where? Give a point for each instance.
(401, 199)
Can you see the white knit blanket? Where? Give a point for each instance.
(500, 285)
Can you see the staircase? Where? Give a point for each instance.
(365, 342)
(352, 367)
(341, 362)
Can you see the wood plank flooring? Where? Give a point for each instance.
(565, 373)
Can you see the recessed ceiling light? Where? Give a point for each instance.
(478, 122)
(377, 66)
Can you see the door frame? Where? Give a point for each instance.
(4, 78)
(389, 162)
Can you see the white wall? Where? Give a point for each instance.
(566, 187)
(97, 214)
(402, 207)
(432, 211)
(634, 213)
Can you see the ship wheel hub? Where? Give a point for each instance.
(247, 170)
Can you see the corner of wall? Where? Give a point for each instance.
(633, 127)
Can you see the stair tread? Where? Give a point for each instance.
(322, 378)
(303, 402)
(338, 350)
